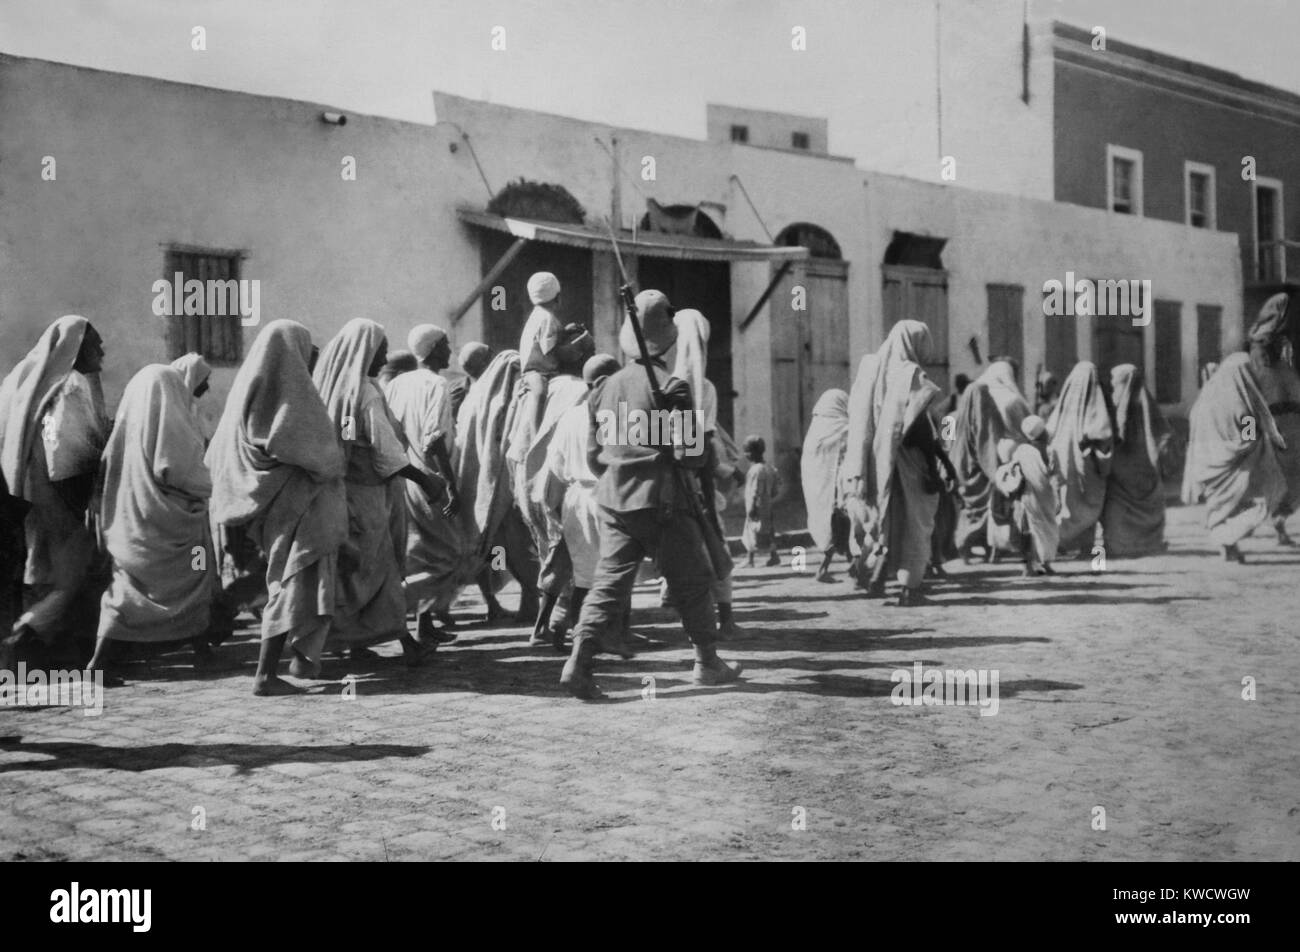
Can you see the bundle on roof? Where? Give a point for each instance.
(537, 201)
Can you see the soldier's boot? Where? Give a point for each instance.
(615, 641)
(728, 630)
(710, 669)
(911, 598)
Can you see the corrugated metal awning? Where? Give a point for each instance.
(647, 244)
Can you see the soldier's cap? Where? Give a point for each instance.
(656, 316)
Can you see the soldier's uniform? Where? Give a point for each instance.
(643, 511)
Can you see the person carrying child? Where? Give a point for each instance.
(1027, 482)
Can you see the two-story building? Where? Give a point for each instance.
(1146, 135)
(800, 260)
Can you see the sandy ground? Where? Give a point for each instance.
(1119, 689)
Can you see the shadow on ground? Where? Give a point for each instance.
(244, 757)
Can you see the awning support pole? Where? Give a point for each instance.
(753, 208)
(497, 269)
(781, 272)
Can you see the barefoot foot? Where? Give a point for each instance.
(274, 687)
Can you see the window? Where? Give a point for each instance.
(1124, 180)
(799, 140)
(1198, 186)
(740, 133)
(1209, 320)
(1270, 254)
(1060, 344)
(1169, 351)
(1006, 321)
(216, 333)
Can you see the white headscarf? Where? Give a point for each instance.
(156, 486)
(273, 422)
(193, 370)
(28, 391)
(820, 463)
(692, 358)
(342, 368)
(905, 347)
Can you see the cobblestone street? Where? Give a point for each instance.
(1120, 690)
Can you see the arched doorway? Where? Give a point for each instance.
(678, 220)
(916, 288)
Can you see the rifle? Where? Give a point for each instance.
(703, 514)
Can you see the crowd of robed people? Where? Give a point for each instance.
(346, 488)
(900, 482)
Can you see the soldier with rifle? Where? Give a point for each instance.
(647, 502)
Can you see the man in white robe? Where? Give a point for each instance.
(421, 402)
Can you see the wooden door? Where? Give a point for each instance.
(920, 294)
(828, 331)
(810, 351)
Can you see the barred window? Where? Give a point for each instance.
(215, 333)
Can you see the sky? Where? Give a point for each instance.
(648, 64)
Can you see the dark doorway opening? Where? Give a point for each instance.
(705, 286)
(504, 315)
(1116, 341)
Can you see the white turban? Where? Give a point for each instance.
(423, 339)
(473, 355)
(543, 287)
